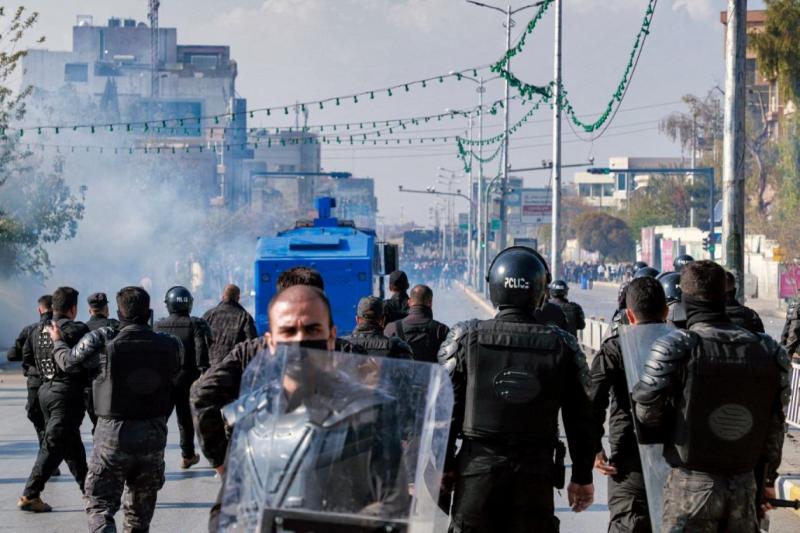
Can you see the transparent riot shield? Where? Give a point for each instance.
(334, 442)
(636, 341)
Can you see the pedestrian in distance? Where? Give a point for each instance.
(511, 376)
(133, 368)
(714, 395)
(422, 333)
(195, 336)
(230, 324)
(627, 498)
(61, 399)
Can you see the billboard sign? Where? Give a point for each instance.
(536, 206)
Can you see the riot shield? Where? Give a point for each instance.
(335, 442)
(636, 342)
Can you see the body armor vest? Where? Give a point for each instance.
(514, 376)
(421, 338)
(373, 344)
(136, 380)
(729, 392)
(43, 351)
(181, 326)
(572, 313)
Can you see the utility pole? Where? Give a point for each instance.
(504, 185)
(152, 15)
(555, 238)
(481, 234)
(733, 143)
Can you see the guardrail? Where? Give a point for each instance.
(591, 337)
(793, 410)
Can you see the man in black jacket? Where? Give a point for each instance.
(627, 499)
(62, 402)
(369, 331)
(133, 368)
(397, 304)
(29, 370)
(422, 333)
(195, 336)
(714, 395)
(572, 311)
(741, 315)
(98, 311)
(230, 324)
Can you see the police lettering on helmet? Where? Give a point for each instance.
(517, 278)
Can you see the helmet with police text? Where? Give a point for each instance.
(638, 265)
(559, 288)
(671, 283)
(517, 278)
(179, 300)
(681, 261)
(646, 272)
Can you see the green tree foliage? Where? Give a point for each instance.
(606, 234)
(777, 46)
(666, 200)
(36, 205)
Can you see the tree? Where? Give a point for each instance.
(36, 205)
(777, 46)
(606, 234)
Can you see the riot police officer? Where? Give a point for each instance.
(671, 283)
(397, 304)
(98, 311)
(572, 311)
(740, 314)
(195, 336)
(62, 403)
(423, 334)
(23, 351)
(714, 395)
(511, 376)
(681, 261)
(133, 369)
(369, 331)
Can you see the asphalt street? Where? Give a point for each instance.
(184, 501)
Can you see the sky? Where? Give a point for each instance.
(300, 50)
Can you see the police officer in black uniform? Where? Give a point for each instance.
(98, 313)
(511, 377)
(195, 336)
(62, 403)
(572, 311)
(19, 352)
(681, 261)
(369, 331)
(422, 333)
(397, 304)
(671, 283)
(714, 395)
(740, 314)
(132, 368)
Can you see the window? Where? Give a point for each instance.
(76, 72)
(596, 190)
(584, 189)
(622, 181)
(203, 60)
(608, 189)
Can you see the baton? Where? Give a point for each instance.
(776, 502)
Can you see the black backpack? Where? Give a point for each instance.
(422, 339)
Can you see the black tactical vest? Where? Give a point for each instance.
(43, 351)
(135, 380)
(378, 345)
(571, 312)
(422, 339)
(729, 392)
(182, 327)
(514, 376)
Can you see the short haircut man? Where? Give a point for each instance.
(231, 293)
(703, 280)
(45, 303)
(64, 300)
(398, 281)
(370, 308)
(300, 293)
(298, 314)
(133, 304)
(645, 299)
(98, 303)
(300, 275)
(421, 295)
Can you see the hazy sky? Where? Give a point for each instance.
(297, 50)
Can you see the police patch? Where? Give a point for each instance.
(730, 422)
(516, 386)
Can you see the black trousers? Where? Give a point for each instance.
(627, 503)
(499, 491)
(34, 409)
(180, 399)
(62, 406)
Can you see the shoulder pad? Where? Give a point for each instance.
(96, 339)
(665, 354)
(568, 338)
(449, 348)
(781, 355)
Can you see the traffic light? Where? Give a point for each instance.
(705, 244)
(598, 170)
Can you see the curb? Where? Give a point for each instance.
(477, 298)
(788, 486)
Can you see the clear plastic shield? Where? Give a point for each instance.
(636, 342)
(326, 441)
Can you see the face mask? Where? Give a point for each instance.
(321, 344)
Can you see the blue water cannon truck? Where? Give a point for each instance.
(351, 260)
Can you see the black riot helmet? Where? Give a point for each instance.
(518, 277)
(646, 272)
(681, 261)
(179, 300)
(671, 283)
(639, 265)
(559, 288)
